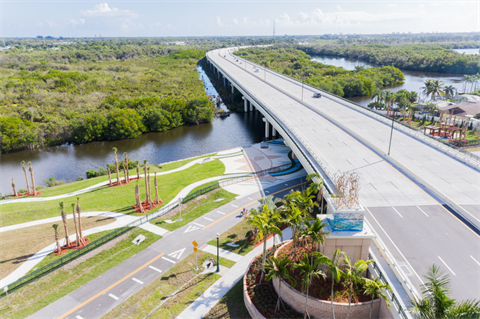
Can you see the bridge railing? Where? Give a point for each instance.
(447, 148)
(34, 275)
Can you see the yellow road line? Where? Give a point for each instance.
(236, 210)
(109, 287)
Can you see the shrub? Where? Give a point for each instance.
(92, 173)
(79, 178)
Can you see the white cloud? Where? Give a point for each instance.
(75, 23)
(339, 7)
(103, 10)
(51, 24)
(219, 22)
(391, 5)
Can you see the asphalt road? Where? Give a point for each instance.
(102, 294)
(344, 139)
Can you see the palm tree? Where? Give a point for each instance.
(33, 179)
(437, 304)
(277, 268)
(316, 187)
(14, 189)
(390, 98)
(353, 275)
(265, 227)
(309, 270)
(374, 288)
(116, 166)
(64, 219)
(82, 240)
(146, 180)
(127, 175)
(316, 233)
(336, 273)
(295, 221)
(465, 79)
(59, 249)
(434, 88)
(157, 198)
(26, 177)
(76, 227)
(109, 175)
(149, 189)
(449, 91)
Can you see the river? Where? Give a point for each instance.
(67, 162)
(414, 81)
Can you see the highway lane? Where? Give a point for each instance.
(383, 186)
(103, 293)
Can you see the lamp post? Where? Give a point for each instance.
(302, 75)
(391, 134)
(218, 252)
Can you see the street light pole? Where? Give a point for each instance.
(391, 134)
(218, 252)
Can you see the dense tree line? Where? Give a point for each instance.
(295, 63)
(425, 57)
(48, 98)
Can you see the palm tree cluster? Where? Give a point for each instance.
(80, 240)
(32, 191)
(148, 201)
(295, 211)
(472, 80)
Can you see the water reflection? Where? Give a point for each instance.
(68, 162)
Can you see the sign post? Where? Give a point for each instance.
(195, 249)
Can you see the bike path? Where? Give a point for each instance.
(102, 294)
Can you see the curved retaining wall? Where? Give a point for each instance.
(320, 308)
(252, 310)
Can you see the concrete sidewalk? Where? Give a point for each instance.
(202, 305)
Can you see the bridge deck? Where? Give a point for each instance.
(419, 229)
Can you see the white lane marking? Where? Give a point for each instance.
(394, 244)
(475, 260)
(113, 296)
(250, 198)
(154, 268)
(234, 205)
(198, 224)
(423, 211)
(191, 228)
(139, 281)
(397, 211)
(178, 253)
(78, 317)
(220, 212)
(446, 265)
(212, 220)
(169, 260)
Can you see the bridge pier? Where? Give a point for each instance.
(274, 132)
(224, 81)
(233, 88)
(251, 107)
(245, 104)
(267, 128)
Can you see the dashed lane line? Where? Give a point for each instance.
(397, 212)
(212, 220)
(218, 212)
(446, 265)
(136, 280)
(113, 296)
(475, 260)
(109, 287)
(154, 268)
(198, 224)
(422, 211)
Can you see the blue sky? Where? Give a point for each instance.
(232, 18)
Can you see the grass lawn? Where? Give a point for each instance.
(236, 234)
(231, 306)
(37, 295)
(14, 250)
(145, 302)
(75, 186)
(196, 208)
(118, 199)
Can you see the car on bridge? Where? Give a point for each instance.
(317, 95)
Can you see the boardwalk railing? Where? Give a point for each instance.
(122, 230)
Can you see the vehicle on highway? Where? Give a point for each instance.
(256, 70)
(317, 95)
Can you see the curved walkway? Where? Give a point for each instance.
(85, 190)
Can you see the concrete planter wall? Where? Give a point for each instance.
(320, 308)
(252, 310)
(343, 219)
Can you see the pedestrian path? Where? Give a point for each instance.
(202, 305)
(222, 252)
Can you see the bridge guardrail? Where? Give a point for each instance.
(446, 148)
(119, 231)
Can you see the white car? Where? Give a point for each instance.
(256, 70)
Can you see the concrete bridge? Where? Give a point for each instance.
(422, 197)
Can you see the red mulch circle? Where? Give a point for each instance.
(123, 182)
(73, 245)
(146, 207)
(28, 194)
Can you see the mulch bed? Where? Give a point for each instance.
(27, 194)
(122, 182)
(73, 245)
(147, 207)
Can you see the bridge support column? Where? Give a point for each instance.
(274, 132)
(224, 81)
(245, 104)
(267, 128)
(218, 73)
(251, 107)
(233, 88)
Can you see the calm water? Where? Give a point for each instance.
(414, 80)
(467, 51)
(71, 161)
